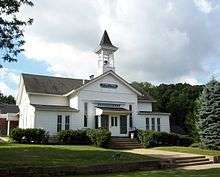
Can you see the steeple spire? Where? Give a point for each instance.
(105, 39)
(105, 52)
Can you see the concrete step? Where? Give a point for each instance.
(189, 157)
(125, 143)
(191, 160)
(194, 163)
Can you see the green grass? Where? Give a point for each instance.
(16, 155)
(190, 150)
(167, 173)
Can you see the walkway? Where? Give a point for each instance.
(161, 154)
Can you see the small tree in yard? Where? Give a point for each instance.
(209, 115)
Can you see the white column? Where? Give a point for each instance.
(8, 128)
(99, 121)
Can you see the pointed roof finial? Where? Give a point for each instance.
(105, 41)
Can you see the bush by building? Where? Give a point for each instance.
(153, 139)
(99, 137)
(73, 137)
(30, 135)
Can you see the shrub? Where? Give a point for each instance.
(73, 137)
(30, 135)
(17, 134)
(185, 140)
(153, 138)
(100, 137)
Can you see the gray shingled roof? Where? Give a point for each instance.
(53, 107)
(50, 85)
(58, 85)
(8, 108)
(145, 97)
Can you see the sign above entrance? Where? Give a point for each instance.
(106, 85)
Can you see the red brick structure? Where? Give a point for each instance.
(8, 118)
(3, 126)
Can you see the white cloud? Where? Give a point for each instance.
(159, 41)
(204, 5)
(8, 81)
(6, 90)
(63, 59)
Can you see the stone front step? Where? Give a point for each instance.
(189, 157)
(125, 143)
(194, 163)
(191, 161)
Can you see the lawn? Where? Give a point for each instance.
(15, 155)
(167, 173)
(190, 150)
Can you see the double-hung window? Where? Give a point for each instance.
(59, 123)
(85, 114)
(130, 117)
(147, 124)
(158, 124)
(67, 122)
(152, 123)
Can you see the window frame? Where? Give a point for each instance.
(158, 124)
(130, 117)
(85, 117)
(59, 123)
(153, 124)
(67, 123)
(147, 123)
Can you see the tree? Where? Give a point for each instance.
(7, 99)
(177, 99)
(12, 29)
(209, 115)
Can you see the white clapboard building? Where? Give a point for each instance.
(107, 100)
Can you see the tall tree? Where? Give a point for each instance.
(177, 99)
(209, 115)
(12, 29)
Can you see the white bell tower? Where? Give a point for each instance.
(105, 53)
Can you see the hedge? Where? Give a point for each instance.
(153, 138)
(29, 135)
(73, 137)
(99, 137)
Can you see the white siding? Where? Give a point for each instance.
(48, 120)
(26, 119)
(48, 100)
(140, 122)
(74, 102)
(94, 93)
(144, 106)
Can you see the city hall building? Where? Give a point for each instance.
(107, 100)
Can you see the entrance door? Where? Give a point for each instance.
(105, 121)
(114, 125)
(123, 124)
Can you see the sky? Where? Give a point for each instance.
(160, 41)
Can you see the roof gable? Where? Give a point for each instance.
(102, 76)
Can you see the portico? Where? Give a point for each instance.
(113, 119)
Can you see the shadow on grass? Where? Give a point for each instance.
(12, 155)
